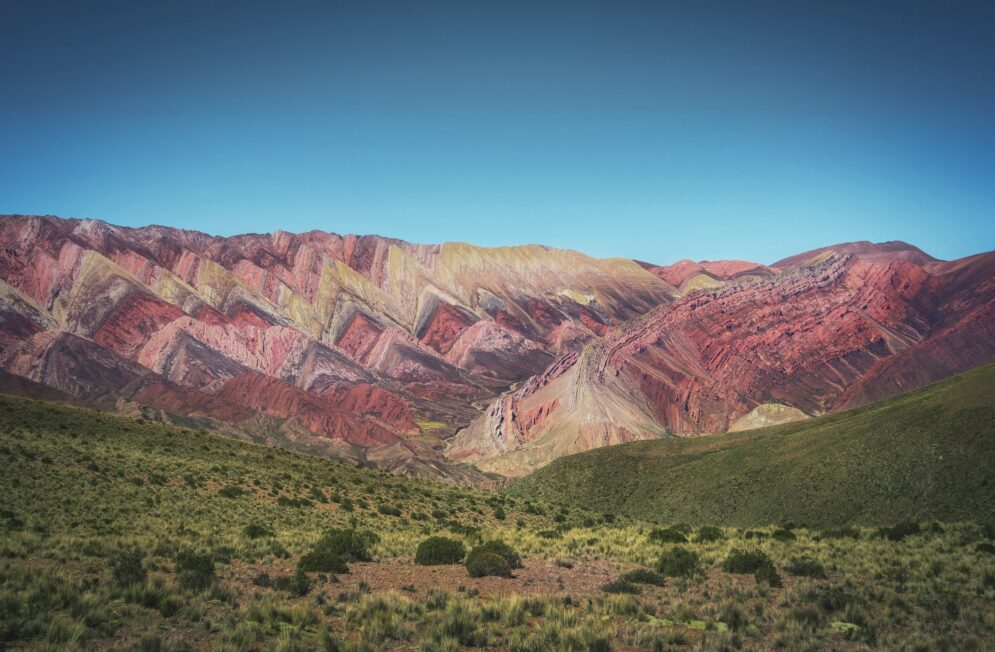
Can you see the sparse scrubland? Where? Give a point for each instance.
(125, 534)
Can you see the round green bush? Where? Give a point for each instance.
(806, 567)
(322, 560)
(986, 548)
(127, 566)
(336, 549)
(194, 570)
(435, 551)
(900, 531)
(487, 564)
(744, 562)
(767, 574)
(667, 535)
(842, 533)
(643, 576)
(257, 531)
(620, 586)
(501, 549)
(708, 533)
(679, 562)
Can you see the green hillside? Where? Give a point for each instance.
(122, 534)
(928, 454)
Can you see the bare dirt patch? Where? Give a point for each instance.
(538, 576)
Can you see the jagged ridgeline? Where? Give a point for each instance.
(927, 454)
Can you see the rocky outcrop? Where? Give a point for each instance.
(767, 414)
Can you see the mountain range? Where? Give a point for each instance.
(465, 362)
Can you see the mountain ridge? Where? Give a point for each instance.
(846, 330)
(400, 354)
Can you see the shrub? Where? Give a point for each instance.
(806, 567)
(297, 585)
(459, 528)
(986, 547)
(806, 616)
(322, 560)
(842, 533)
(194, 570)
(388, 510)
(499, 548)
(487, 564)
(231, 491)
(621, 585)
(744, 562)
(283, 501)
(767, 574)
(667, 535)
(679, 562)
(439, 550)
(350, 545)
(900, 531)
(784, 535)
(733, 615)
(126, 566)
(832, 598)
(643, 576)
(257, 531)
(708, 533)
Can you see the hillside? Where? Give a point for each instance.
(847, 326)
(928, 454)
(125, 534)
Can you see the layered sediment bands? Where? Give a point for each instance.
(355, 339)
(321, 414)
(378, 349)
(845, 329)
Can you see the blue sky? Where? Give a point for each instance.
(655, 131)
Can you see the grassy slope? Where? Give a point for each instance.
(79, 486)
(929, 454)
(85, 474)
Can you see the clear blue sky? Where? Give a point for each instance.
(655, 131)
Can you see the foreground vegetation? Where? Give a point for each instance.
(928, 454)
(123, 534)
